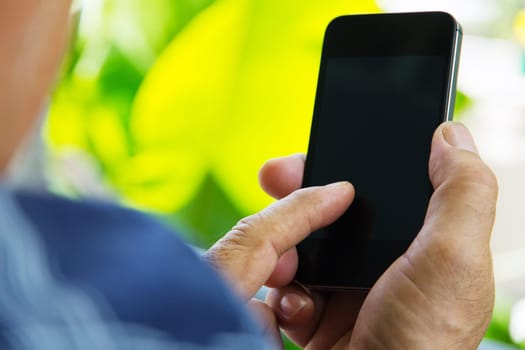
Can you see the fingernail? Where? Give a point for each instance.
(291, 304)
(458, 136)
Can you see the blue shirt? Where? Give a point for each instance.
(136, 269)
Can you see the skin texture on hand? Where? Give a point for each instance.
(32, 39)
(438, 295)
(249, 254)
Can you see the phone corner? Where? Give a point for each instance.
(334, 22)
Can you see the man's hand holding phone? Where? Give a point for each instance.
(438, 295)
(404, 289)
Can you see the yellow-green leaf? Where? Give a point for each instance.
(237, 86)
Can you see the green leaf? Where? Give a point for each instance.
(499, 326)
(209, 215)
(237, 86)
(463, 102)
(115, 45)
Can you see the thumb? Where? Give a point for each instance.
(249, 253)
(463, 205)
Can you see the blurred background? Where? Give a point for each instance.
(172, 106)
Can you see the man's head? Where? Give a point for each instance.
(32, 38)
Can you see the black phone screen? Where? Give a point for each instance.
(373, 124)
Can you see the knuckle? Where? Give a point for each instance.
(251, 233)
(300, 195)
(244, 233)
(240, 240)
(448, 257)
(310, 202)
(471, 169)
(473, 180)
(463, 262)
(245, 225)
(306, 198)
(479, 175)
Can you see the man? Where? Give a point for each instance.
(438, 295)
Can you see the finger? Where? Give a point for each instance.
(285, 270)
(267, 319)
(462, 208)
(338, 319)
(297, 311)
(315, 319)
(250, 252)
(281, 176)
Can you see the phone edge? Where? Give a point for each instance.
(452, 89)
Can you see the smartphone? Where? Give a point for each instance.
(386, 82)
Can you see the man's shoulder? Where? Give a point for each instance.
(44, 207)
(148, 275)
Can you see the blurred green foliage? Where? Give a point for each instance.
(499, 327)
(463, 102)
(181, 102)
